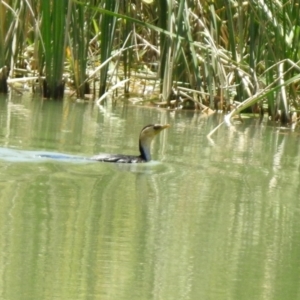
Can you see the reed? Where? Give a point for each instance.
(127, 37)
(13, 23)
(5, 18)
(107, 39)
(55, 19)
(220, 54)
(79, 42)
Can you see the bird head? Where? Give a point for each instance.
(146, 136)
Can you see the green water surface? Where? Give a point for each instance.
(208, 219)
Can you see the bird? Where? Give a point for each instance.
(147, 134)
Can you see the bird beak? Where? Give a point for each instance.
(162, 127)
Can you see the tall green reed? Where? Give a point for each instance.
(219, 48)
(178, 57)
(13, 23)
(279, 24)
(55, 20)
(107, 39)
(126, 9)
(79, 38)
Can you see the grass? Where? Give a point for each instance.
(55, 23)
(226, 55)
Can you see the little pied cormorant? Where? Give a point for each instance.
(146, 136)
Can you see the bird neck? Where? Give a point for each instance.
(145, 145)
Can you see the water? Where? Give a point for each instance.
(207, 219)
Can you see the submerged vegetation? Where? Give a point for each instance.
(221, 55)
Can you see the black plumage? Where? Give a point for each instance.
(146, 136)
